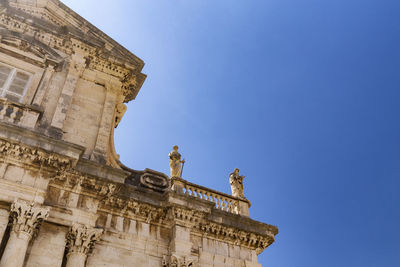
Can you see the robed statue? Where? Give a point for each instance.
(175, 162)
(236, 182)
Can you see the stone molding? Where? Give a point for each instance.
(26, 154)
(115, 203)
(187, 216)
(135, 209)
(81, 239)
(27, 218)
(72, 179)
(96, 58)
(236, 236)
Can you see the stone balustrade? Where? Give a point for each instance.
(18, 114)
(222, 201)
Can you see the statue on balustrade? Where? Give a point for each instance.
(175, 162)
(236, 182)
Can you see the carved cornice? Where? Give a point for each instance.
(72, 179)
(27, 218)
(188, 217)
(30, 155)
(97, 57)
(236, 236)
(134, 209)
(81, 239)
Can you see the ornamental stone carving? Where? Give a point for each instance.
(81, 239)
(27, 218)
(177, 261)
(154, 180)
(33, 155)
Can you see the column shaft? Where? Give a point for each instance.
(76, 259)
(15, 251)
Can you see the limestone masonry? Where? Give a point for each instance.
(65, 197)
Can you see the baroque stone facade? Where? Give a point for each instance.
(65, 197)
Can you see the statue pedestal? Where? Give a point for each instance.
(244, 206)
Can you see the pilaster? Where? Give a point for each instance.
(106, 124)
(44, 84)
(75, 70)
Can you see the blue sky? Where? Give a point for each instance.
(302, 96)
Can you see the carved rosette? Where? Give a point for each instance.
(81, 239)
(27, 218)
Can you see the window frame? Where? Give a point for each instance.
(36, 72)
(10, 79)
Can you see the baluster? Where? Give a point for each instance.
(230, 205)
(13, 114)
(3, 111)
(218, 202)
(186, 190)
(224, 204)
(191, 191)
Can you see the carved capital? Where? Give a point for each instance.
(81, 239)
(27, 218)
(178, 261)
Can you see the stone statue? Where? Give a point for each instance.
(236, 182)
(175, 162)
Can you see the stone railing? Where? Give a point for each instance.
(222, 201)
(18, 113)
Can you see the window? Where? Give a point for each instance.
(13, 83)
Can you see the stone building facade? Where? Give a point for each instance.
(65, 197)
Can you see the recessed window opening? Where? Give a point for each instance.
(13, 82)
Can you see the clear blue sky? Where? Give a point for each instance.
(302, 96)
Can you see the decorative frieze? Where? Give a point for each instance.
(188, 216)
(31, 155)
(236, 236)
(72, 179)
(135, 209)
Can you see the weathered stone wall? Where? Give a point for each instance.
(65, 199)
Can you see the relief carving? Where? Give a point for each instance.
(177, 261)
(33, 155)
(154, 180)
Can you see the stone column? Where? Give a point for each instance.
(26, 221)
(80, 242)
